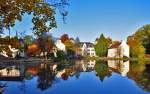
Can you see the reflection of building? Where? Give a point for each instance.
(91, 64)
(9, 72)
(79, 66)
(118, 50)
(36, 68)
(119, 66)
(87, 49)
(88, 65)
(12, 73)
(59, 73)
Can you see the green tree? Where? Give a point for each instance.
(60, 56)
(28, 39)
(42, 13)
(101, 46)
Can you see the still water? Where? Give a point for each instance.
(78, 77)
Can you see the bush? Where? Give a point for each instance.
(60, 56)
(70, 53)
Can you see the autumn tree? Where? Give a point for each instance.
(101, 46)
(143, 34)
(136, 48)
(42, 12)
(64, 38)
(69, 45)
(49, 44)
(45, 43)
(140, 74)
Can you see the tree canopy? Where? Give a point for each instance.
(43, 13)
(136, 48)
(101, 46)
(143, 34)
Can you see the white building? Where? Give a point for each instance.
(119, 50)
(87, 49)
(60, 45)
(14, 51)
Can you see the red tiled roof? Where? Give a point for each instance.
(115, 45)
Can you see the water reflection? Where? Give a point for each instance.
(102, 70)
(13, 73)
(120, 66)
(140, 73)
(47, 75)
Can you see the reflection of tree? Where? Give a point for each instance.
(23, 87)
(139, 73)
(77, 75)
(45, 77)
(102, 70)
(28, 75)
(2, 86)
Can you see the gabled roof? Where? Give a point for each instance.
(88, 44)
(115, 45)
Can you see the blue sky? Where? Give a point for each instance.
(87, 19)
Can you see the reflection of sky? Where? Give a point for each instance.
(88, 18)
(87, 83)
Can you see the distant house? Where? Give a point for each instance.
(119, 50)
(60, 45)
(87, 48)
(14, 51)
(22, 52)
(72, 40)
(8, 49)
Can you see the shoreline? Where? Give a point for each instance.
(37, 60)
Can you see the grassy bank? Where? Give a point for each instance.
(106, 58)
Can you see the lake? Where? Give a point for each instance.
(76, 77)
